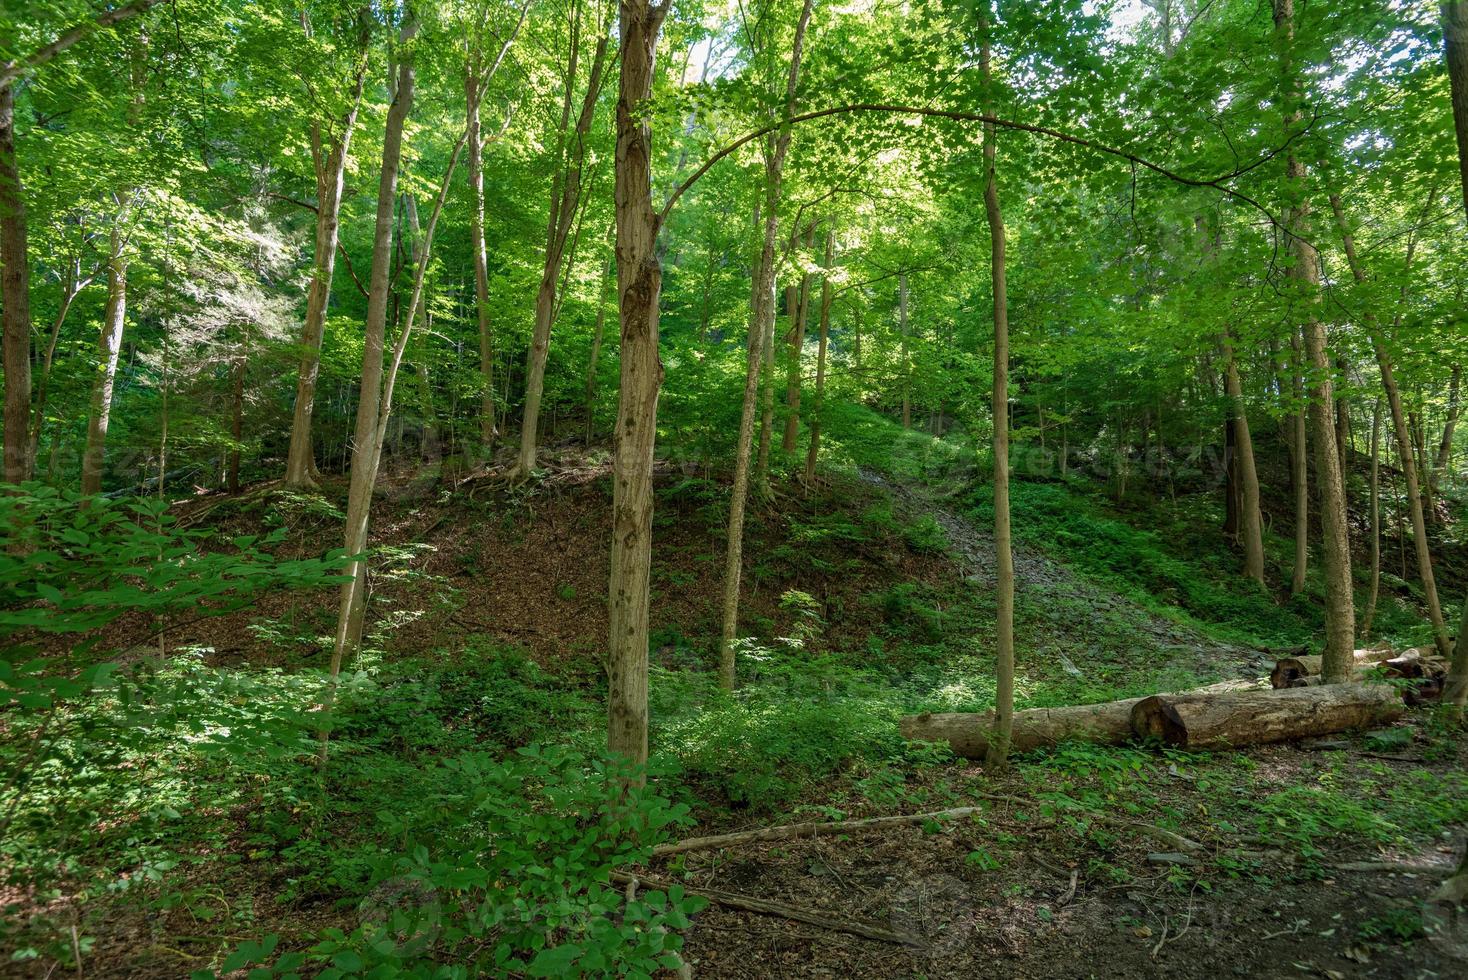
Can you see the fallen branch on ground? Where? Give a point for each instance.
(793, 913)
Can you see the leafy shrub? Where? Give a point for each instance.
(510, 872)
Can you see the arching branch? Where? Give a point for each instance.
(12, 70)
(1216, 183)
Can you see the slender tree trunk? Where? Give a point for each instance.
(997, 755)
(813, 452)
(481, 261)
(331, 168)
(1343, 416)
(367, 439)
(1399, 429)
(906, 356)
(761, 333)
(237, 423)
(639, 282)
(1456, 693)
(767, 408)
(1455, 53)
(1340, 618)
(1450, 421)
(797, 345)
(566, 199)
(596, 340)
(70, 287)
(109, 346)
(163, 423)
(15, 295)
(1300, 465)
(1250, 525)
(1375, 505)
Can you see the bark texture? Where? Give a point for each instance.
(1000, 737)
(330, 154)
(15, 295)
(970, 735)
(761, 327)
(1401, 433)
(1340, 614)
(1455, 53)
(639, 282)
(1212, 721)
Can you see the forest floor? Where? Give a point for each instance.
(871, 597)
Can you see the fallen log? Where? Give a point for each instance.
(967, 733)
(1426, 675)
(1193, 721)
(1289, 669)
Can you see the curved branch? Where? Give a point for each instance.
(12, 70)
(1215, 183)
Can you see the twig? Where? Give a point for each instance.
(791, 912)
(811, 829)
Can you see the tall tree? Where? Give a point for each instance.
(1340, 614)
(761, 327)
(639, 282)
(331, 143)
(997, 756)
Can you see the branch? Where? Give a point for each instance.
(13, 69)
(1215, 183)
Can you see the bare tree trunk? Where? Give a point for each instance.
(906, 357)
(767, 409)
(331, 168)
(109, 346)
(1445, 445)
(1343, 417)
(1375, 504)
(596, 340)
(15, 294)
(813, 453)
(1340, 624)
(997, 755)
(1455, 53)
(367, 439)
(761, 332)
(237, 423)
(1250, 525)
(1300, 465)
(1399, 428)
(70, 287)
(481, 260)
(639, 281)
(565, 199)
(1456, 689)
(797, 345)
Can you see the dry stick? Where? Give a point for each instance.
(793, 913)
(829, 828)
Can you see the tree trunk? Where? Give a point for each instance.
(797, 346)
(1455, 53)
(906, 356)
(1287, 670)
(997, 755)
(1375, 505)
(970, 735)
(813, 452)
(565, 200)
(70, 287)
(237, 423)
(1299, 466)
(481, 260)
(15, 295)
(1340, 618)
(1456, 693)
(300, 465)
(1250, 525)
(1233, 720)
(1399, 428)
(368, 434)
(596, 340)
(109, 346)
(761, 330)
(639, 281)
(1445, 445)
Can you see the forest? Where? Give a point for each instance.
(733, 488)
